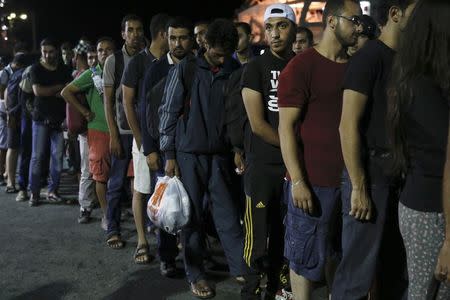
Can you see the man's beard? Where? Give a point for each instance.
(344, 43)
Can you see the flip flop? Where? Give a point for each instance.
(141, 252)
(202, 290)
(11, 190)
(115, 242)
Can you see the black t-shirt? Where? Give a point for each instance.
(261, 75)
(49, 108)
(368, 73)
(426, 128)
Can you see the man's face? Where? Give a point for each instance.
(49, 54)
(180, 42)
(200, 34)
(279, 34)
(348, 26)
(216, 55)
(362, 39)
(133, 34)
(244, 40)
(301, 43)
(92, 59)
(104, 49)
(67, 56)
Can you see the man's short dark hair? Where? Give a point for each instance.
(130, 17)
(91, 48)
(244, 26)
(308, 32)
(222, 33)
(334, 7)
(48, 42)
(381, 8)
(106, 39)
(66, 46)
(180, 22)
(158, 24)
(202, 22)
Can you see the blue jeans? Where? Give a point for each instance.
(371, 247)
(43, 135)
(25, 151)
(117, 178)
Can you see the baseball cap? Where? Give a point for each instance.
(81, 48)
(279, 10)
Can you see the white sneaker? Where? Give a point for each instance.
(22, 196)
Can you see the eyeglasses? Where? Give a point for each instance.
(356, 20)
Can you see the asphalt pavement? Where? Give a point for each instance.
(46, 254)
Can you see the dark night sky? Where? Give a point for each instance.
(68, 20)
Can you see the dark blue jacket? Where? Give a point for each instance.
(200, 130)
(157, 71)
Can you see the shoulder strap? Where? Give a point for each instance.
(118, 68)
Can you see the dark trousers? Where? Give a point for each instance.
(263, 220)
(25, 151)
(210, 174)
(117, 179)
(167, 243)
(362, 246)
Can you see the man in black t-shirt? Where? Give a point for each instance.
(265, 170)
(369, 195)
(48, 78)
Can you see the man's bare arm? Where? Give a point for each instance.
(47, 91)
(354, 104)
(255, 110)
(68, 93)
(128, 101)
(301, 193)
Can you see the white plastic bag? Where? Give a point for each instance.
(169, 206)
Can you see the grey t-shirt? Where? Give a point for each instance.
(108, 77)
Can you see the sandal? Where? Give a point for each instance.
(141, 255)
(115, 242)
(202, 290)
(11, 190)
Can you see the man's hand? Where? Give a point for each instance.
(302, 197)
(361, 204)
(239, 162)
(153, 161)
(88, 115)
(442, 271)
(115, 146)
(171, 168)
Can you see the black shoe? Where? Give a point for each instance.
(85, 216)
(168, 269)
(34, 200)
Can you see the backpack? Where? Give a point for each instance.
(155, 94)
(13, 89)
(26, 96)
(120, 110)
(235, 113)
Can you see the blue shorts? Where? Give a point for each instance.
(308, 241)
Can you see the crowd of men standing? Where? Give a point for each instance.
(327, 159)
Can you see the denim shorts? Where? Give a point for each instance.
(309, 238)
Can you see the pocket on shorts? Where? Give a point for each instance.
(300, 240)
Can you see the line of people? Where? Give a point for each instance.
(343, 144)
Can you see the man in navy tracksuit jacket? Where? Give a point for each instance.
(192, 138)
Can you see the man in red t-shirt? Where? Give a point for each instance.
(310, 102)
